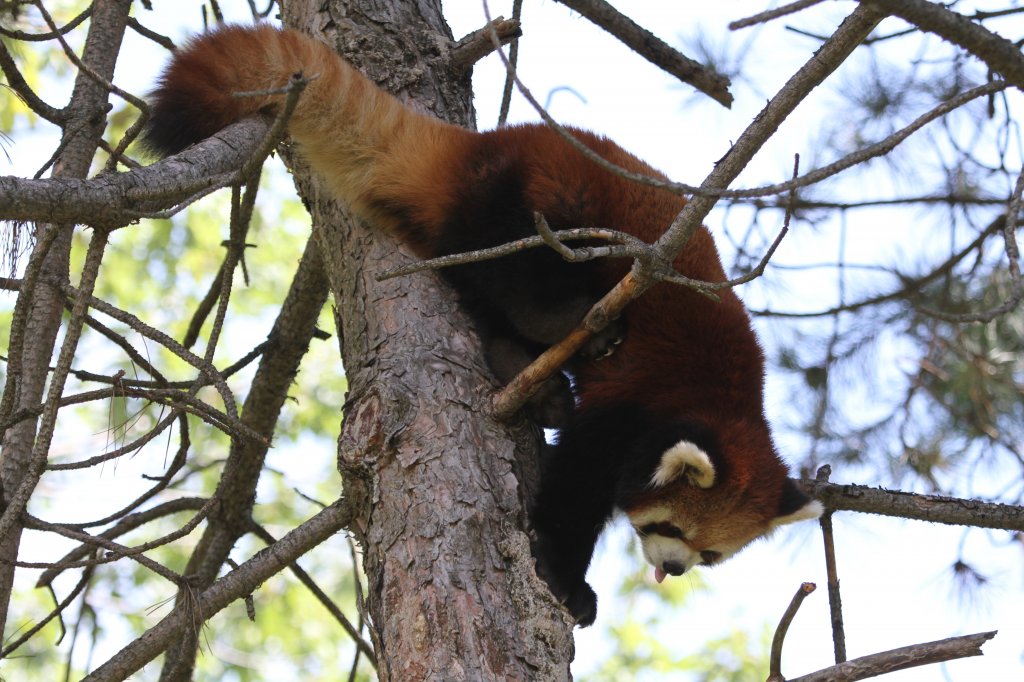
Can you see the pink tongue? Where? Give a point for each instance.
(659, 574)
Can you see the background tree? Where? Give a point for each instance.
(438, 518)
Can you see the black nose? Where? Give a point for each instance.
(673, 568)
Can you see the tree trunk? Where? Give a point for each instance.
(438, 486)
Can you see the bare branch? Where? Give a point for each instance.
(631, 248)
(116, 549)
(36, 463)
(835, 602)
(473, 47)
(1001, 55)
(125, 525)
(769, 15)
(114, 199)
(364, 647)
(775, 661)
(1009, 233)
(85, 67)
(206, 368)
(933, 508)
(17, 83)
(513, 60)
(911, 285)
(654, 50)
(57, 611)
(157, 38)
(235, 585)
(901, 659)
(291, 335)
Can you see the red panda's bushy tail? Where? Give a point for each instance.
(368, 145)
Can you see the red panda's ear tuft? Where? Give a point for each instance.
(684, 459)
(795, 505)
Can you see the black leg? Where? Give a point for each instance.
(576, 499)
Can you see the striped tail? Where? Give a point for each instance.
(374, 151)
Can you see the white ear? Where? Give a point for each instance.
(811, 510)
(684, 459)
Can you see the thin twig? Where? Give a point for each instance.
(56, 612)
(361, 644)
(114, 548)
(125, 525)
(911, 285)
(18, 501)
(632, 244)
(234, 585)
(1009, 233)
(775, 661)
(24, 36)
(769, 15)
(204, 367)
(654, 50)
(513, 59)
(835, 602)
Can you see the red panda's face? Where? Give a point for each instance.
(688, 518)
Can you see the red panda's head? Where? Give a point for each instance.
(692, 512)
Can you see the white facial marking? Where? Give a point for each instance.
(684, 458)
(659, 549)
(811, 510)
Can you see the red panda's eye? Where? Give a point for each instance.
(710, 556)
(664, 528)
(670, 531)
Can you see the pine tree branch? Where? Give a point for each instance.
(654, 50)
(933, 508)
(118, 199)
(901, 659)
(235, 585)
(1000, 54)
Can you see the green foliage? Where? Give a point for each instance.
(642, 648)
(159, 270)
(292, 632)
(737, 657)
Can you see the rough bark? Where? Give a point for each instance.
(38, 309)
(436, 484)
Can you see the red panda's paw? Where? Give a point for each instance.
(582, 604)
(553, 403)
(578, 597)
(604, 343)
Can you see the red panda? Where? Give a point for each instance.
(669, 428)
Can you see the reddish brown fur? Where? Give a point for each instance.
(689, 368)
(369, 146)
(343, 121)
